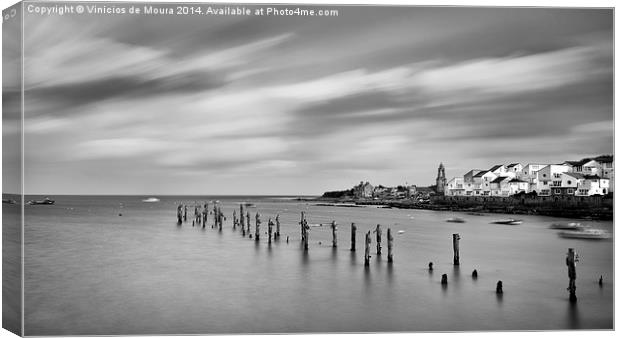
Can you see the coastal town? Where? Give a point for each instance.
(581, 188)
(586, 177)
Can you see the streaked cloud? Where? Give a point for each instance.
(257, 106)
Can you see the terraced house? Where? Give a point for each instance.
(586, 177)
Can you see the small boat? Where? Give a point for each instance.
(567, 226)
(249, 205)
(400, 232)
(455, 220)
(151, 200)
(46, 201)
(587, 233)
(476, 214)
(508, 221)
(8, 201)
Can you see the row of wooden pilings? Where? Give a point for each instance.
(243, 221)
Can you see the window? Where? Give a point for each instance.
(570, 191)
(557, 183)
(556, 175)
(569, 182)
(544, 175)
(557, 191)
(545, 182)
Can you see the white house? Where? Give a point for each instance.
(455, 187)
(482, 183)
(514, 169)
(499, 186)
(528, 174)
(548, 177)
(516, 186)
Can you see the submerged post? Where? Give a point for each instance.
(277, 226)
(353, 229)
(571, 259)
(334, 238)
(301, 224)
(499, 288)
(367, 249)
(179, 216)
(378, 231)
(220, 218)
(248, 222)
(270, 228)
(257, 234)
(185, 214)
(444, 279)
(390, 240)
(455, 245)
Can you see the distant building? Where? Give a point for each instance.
(363, 190)
(441, 179)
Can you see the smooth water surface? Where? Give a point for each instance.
(90, 271)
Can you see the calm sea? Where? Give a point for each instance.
(90, 271)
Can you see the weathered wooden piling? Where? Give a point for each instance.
(215, 215)
(277, 236)
(571, 259)
(306, 235)
(499, 289)
(257, 233)
(248, 221)
(474, 274)
(390, 240)
(334, 237)
(444, 279)
(455, 245)
(193, 223)
(301, 225)
(234, 219)
(378, 231)
(220, 218)
(430, 266)
(185, 214)
(179, 215)
(353, 229)
(600, 281)
(241, 219)
(204, 216)
(367, 243)
(270, 228)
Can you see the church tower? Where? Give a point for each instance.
(441, 179)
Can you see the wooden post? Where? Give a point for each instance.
(306, 235)
(390, 240)
(179, 216)
(301, 224)
(270, 228)
(571, 259)
(379, 232)
(600, 281)
(277, 226)
(185, 214)
(430, 266)
(367, 249)
(241, 219)
(248, 222)
(204, 216)
(444, 279)
(234, 219)
(215, 219)
(220, 218)
(257, 234)
(474, 274)
(455, 245)
(334, 238)
(353, 229)
(499, 289)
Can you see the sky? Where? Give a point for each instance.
(149, 105)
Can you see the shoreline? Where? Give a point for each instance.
(554, 210)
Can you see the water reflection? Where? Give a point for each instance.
(500, 298)
(353, 258)
(390, 273)
(573, 316)
(305, 257)
(334, 255)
